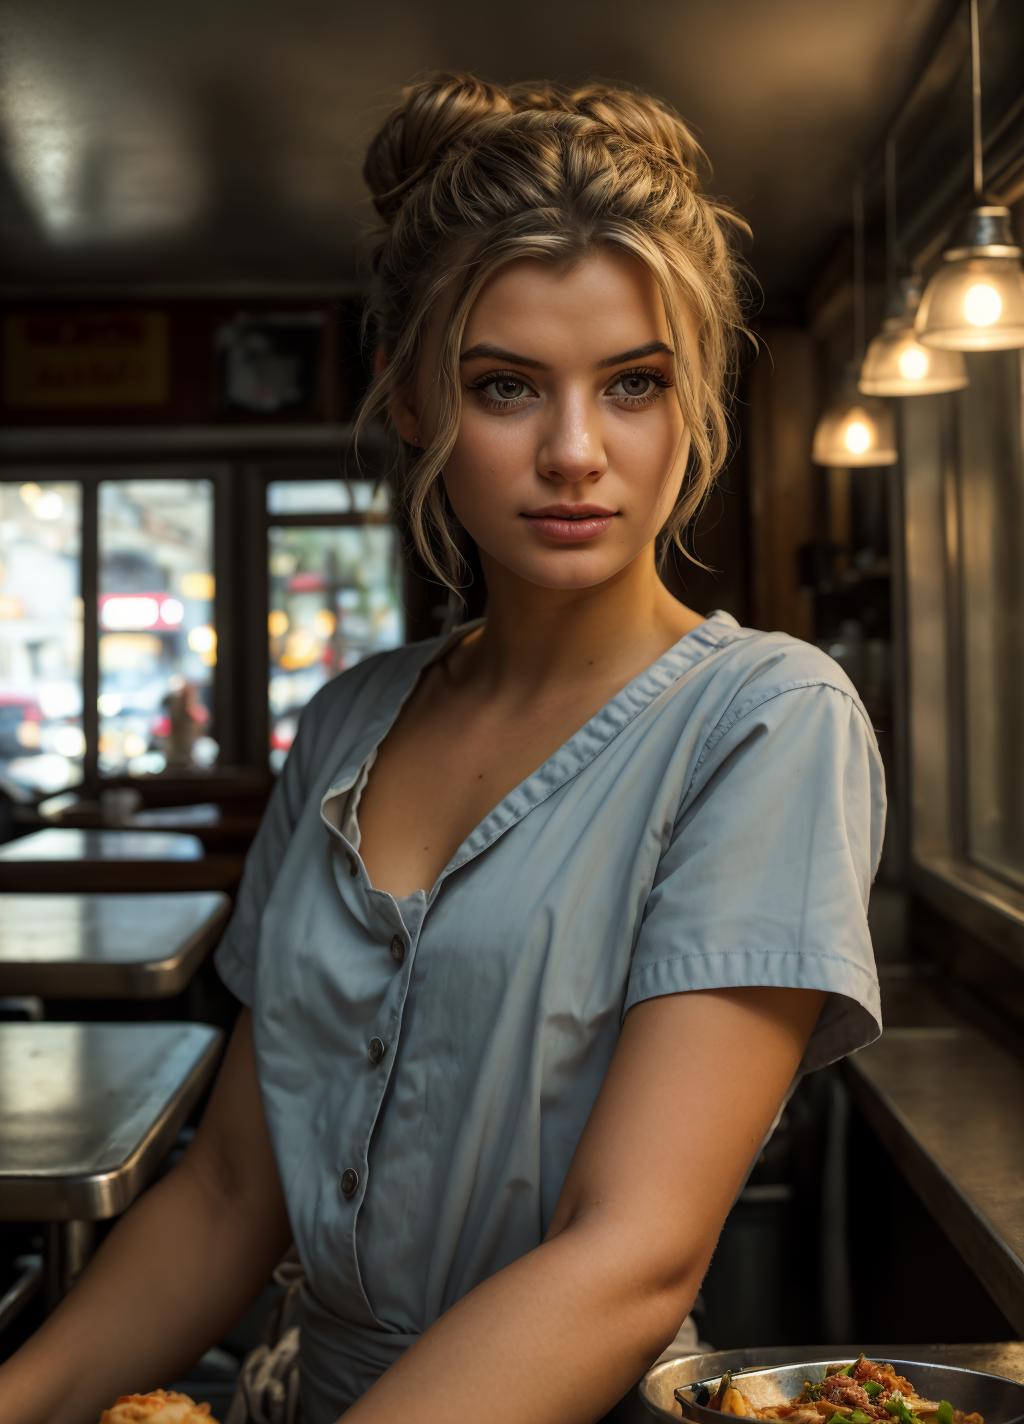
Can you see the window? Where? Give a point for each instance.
(157, 643)
(334, 590)
(991, 593)
(41, 739)
(963, 481)
(108, 641)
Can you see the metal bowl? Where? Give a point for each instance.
(998, 1400)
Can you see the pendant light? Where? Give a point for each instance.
(975, 301)
(897, 364)
(856, 430)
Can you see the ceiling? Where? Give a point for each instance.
(201, 144)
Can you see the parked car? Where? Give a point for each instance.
(21, 719)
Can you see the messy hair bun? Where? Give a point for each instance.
(413, 137)
(467, 175)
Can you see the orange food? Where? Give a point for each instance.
(160, 1406)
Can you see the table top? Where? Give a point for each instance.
(60, 843)
(200, 813)
(949, 1103)
(88, 1111)
(69, 945)
(229, 826)
(63, 859)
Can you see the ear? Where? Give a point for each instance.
(403, 415)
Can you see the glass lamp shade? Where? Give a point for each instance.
(855, 430)
(975, 301)
(897, 364)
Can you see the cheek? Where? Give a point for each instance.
(486, 457)
(670, 430)
(650, 452)
(494, 439)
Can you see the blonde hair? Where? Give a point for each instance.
(468, 175)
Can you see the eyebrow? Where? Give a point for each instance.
(484, 348)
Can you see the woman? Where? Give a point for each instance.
(547, 914)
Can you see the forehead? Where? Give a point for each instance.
(607, 297)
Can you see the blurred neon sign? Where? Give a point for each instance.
(133, 612)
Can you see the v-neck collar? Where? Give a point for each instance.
(567, 761)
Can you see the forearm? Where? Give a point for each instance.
(170, 1278)
(556, 1337)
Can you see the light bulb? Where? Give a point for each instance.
(982, 304)
(857, 436)
(912, 363)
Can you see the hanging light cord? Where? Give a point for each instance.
(858, 268)
(976, 98)
(890, 212)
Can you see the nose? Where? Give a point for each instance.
(572, 443)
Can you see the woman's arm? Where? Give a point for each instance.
(560, 1335)
(173, 1275)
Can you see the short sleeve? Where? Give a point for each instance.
(234, 958)
(767, 875)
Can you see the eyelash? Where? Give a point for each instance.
(633, 402)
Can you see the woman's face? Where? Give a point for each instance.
(572, 404)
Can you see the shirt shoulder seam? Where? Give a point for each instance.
(726, 723)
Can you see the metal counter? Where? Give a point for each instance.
(948, 1102)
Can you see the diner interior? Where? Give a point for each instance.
(190, 548)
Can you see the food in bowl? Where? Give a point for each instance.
(160, 1406)
(857, 1393)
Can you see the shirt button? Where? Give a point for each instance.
(353, 868)
(377, 1049)
(349, 1181)
(398, 948)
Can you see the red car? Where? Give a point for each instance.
(20, 724)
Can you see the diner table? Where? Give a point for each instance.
(216, 828)
(219, 827)
(62, 859)
(88, 1111)
(74, 945)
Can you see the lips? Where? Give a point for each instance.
(592, 511)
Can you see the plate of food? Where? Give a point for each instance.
(858, 1391)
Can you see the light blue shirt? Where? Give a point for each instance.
(428, 1063)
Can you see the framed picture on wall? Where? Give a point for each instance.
(271, 364)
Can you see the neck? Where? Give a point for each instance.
(541, 645)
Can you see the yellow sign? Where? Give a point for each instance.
(85, 359)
